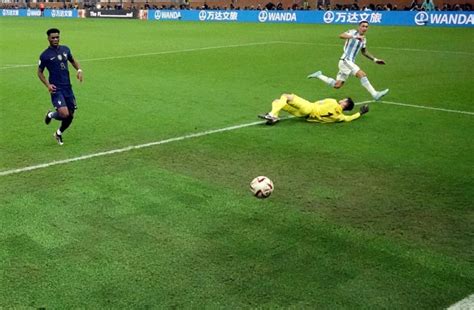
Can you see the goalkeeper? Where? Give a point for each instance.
(322, 111)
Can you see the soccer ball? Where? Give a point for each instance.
(261, 187)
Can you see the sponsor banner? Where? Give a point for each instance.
(12, 12)
(167, 15)
(402, 18)
(33, 12)
(354, 17)
(60, 13)
(465, 19)
(112, 14)
(413, 18)
(394, 18)
(221, 16)
(37, 13)
(196, 15)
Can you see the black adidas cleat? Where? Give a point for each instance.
(47, 119)
(59, 138)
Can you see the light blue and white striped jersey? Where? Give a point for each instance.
(352, 46)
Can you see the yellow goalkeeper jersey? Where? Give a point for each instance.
(329, 111)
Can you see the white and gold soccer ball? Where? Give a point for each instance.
(261, 187)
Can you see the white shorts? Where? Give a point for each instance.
(346, 68)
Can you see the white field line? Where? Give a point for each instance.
(465, 304)
(382, 47)
(189, 136)
(126, 149)
(427, 108)
(13, 66)
(187, 50)
(133, 147)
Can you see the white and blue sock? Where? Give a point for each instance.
(327, 80)
(365, 82)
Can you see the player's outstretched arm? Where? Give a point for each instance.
(349, 118)
(372, 57)
(346, 36)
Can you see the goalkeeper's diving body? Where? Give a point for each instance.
(321, 111)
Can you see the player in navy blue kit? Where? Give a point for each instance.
(55, 58)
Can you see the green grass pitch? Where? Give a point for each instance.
(377, 213)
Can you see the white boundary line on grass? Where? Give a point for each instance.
(465, 304)
(381, 47)
(187, 50)
(126, 149)
(13, 66)
(189, 136)
(427, 108)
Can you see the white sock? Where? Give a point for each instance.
(365, 82)
(58, 132)
(327, 80)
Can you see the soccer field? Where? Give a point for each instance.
(147, 204)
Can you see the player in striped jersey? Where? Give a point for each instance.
(355, 42)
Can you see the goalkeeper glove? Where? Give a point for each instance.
(364, 109)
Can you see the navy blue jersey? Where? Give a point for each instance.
(55, 60)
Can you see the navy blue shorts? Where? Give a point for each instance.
(64, 97)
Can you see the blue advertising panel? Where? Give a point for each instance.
(37, 13)
(60, 13)
(395, 18)
(12, 12)
(407, 18)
